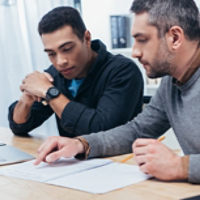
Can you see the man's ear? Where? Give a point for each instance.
(87, 38)
(174, 37)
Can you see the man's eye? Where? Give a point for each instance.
(68, 49)
(51, 54)
(142, 40)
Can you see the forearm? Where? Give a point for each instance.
(22, 112)
(119, 140)
(58, 104)
(112, 142)
(80, 119)
(39, 113)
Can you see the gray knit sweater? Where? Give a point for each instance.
(172, 106)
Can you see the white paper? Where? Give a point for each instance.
(45, 172)
(95, 176)
(103, 179)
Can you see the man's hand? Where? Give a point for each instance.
(37, 84)
(23, 108)
(156, 159)
(55, 147)
(28, 98)
(50, 78)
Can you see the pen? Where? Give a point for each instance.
(132, 155)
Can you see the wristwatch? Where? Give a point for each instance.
(52, 93)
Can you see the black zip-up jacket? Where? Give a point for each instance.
(110, 95)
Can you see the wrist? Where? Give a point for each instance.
(26, 101)
(80, 146)
(185, 160)
(45, 89)
(182, 168)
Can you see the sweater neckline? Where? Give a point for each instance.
(191, 81)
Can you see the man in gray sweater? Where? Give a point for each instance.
(167, 43)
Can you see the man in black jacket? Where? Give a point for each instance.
(88, 88)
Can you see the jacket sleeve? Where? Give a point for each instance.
(39, 114)
(151, 123)
(121, 99)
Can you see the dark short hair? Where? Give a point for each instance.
(60, 17)
(165, 14)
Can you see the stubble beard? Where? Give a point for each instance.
(163, 62)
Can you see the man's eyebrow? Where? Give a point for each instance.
(62, 45)
(138, 35)
(46, 50)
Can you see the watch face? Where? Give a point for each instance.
(54, 91)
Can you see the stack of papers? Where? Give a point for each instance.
(95, 176)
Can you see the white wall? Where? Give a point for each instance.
(96, 14)
(198, 3)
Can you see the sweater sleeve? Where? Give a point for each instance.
(120, 101)
(151, 123)
(194, 168)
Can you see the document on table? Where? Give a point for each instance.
(103, 179)
(45, 172)
(96, 176)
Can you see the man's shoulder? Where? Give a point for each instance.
(122, 67)
(121, 62)
(122, 59)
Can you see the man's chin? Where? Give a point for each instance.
(155, 75)
(68, 77)
(151, 74)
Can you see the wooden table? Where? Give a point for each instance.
(12, 188)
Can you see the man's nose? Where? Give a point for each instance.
(61, 60)
(136, 52)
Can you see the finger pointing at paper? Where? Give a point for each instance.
(56, 147)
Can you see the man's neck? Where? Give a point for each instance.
(188, 58)
(92, 57)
